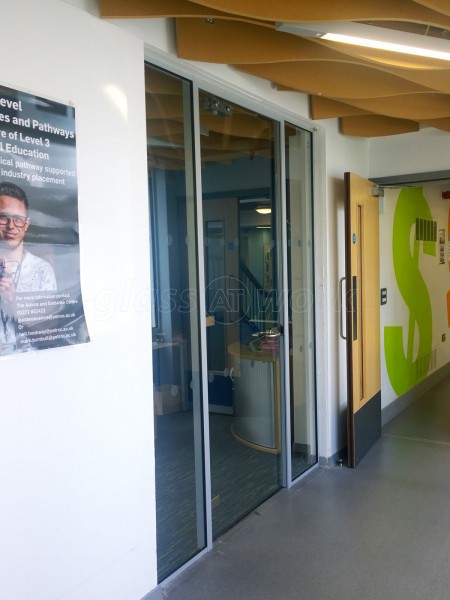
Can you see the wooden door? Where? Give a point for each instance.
(363, 317)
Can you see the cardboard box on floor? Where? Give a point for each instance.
(167, 399)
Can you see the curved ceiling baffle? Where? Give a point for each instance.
(372, 92)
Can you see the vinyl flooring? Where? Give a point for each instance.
(378, 532)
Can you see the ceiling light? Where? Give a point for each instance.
(379, 45)
(263, 210)
(372, 37)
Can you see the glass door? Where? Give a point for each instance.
(241, 255)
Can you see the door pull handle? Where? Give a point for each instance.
(341, 309)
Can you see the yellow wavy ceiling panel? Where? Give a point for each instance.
(371, 125)
(437, 5)
(333, 10)
(417, 107)
(326, 108)
(285, 10)
(232, 42)
(344, 80)
(443, 124)
(373, 92)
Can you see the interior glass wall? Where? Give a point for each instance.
(240, 202)
(245, 369)
(298, 157)
(179, 452)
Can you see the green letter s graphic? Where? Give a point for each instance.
(404, 372)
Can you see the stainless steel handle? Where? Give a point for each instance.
(341, 309)
(273, 332)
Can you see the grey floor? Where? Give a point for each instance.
(381, 531)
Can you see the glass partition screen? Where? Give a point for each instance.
(247, 351)
(179, 452)
(301, 299)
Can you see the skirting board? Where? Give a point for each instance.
(399, 404)
(338, 459)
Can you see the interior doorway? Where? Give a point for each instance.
(233, 310)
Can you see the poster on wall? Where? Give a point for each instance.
(40, 295)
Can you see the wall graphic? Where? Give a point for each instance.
(40, 295)
(408, 361)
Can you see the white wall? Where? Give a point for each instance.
(420, 152)
(90, 6)
(76, 428)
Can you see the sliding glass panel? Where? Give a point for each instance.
(241, 253)
(301, 299)
(180, 492)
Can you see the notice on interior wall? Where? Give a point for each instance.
(41, 305)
